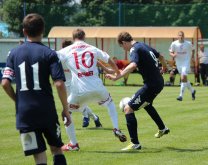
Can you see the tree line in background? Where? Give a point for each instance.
(107, 13)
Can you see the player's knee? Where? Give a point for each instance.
(128, 110)
(184, 78)
(56, 150)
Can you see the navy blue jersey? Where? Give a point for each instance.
(31, 64)
(146, 59)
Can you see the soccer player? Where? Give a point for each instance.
(81, 59)
(86, 112)
(145, 59)
(203, 64)
(172, 73)
(182, 52)
(31, 64)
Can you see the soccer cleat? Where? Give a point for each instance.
(86, 121)
(179, 98)
(132, 147)
(97, 122)
(160, 133)
(70, 147)
(119, 135)
(193, 95)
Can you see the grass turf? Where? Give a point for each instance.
(186, 144)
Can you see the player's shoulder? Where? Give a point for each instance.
(91, 47)
(15, 50)
(175, 42)
(67, 52)
(136, 46)
(37, 46)
(188, 42)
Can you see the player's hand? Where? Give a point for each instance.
(164, 70)
(66, 117)
(174, 55)
(110, 77)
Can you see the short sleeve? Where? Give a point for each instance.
(134, 56)
(56, 68)
(156, 53)
(61, 56)
(172, 47)
(102, 55)
(8, 71)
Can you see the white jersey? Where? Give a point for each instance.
(183, 51)
(203, 57)
(81, 59)
(68, 77)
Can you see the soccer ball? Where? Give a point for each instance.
(123, 102)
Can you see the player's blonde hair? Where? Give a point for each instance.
(78, 34)
(181, 33)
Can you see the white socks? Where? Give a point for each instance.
(88, 113)
(113, 114)
(183, 86)
(70, 130)
(188, 84)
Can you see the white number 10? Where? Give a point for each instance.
(23, 77)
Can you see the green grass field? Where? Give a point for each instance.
(186, 144)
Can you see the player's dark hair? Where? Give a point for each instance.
(66, 43)
(33, 24)
(78, 34)
(124, 36)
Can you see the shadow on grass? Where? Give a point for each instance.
(144, 150)
(150, 150)
(95, 128)
(187, 149)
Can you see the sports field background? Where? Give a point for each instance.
(186, 144)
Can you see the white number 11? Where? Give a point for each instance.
(23, 77)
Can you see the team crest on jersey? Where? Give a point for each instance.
(137, 101)
(181, 47)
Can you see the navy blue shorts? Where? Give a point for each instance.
(144, 97)
(33, 141)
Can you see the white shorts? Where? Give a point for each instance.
(183, 70)
(100, 96)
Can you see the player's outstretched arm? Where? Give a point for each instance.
(163, 62)
(61, 89)
(107, 70)
(130, 68)
(113, 65)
